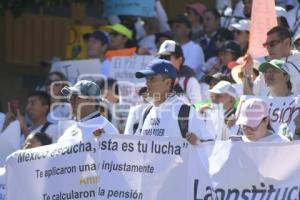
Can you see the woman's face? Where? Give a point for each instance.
(258, 132)
(275, 77)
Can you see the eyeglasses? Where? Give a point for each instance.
(272, 43)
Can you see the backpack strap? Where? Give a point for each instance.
(146, 112)
(183, 119)
(45, 126)
(185, 82)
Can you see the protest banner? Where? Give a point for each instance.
(239, 170)
(282, 111)
(263, 18)
(167, 168)
(124, 68)
(73, 69)
(9, 140)
(102, 169)
(129, 7)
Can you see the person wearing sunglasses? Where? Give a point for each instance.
(278, 45)
(254, 122)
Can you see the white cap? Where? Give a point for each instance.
(167, 47)
(242, 25)
(224, 87)
(280, 11)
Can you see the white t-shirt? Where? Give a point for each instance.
(135, 114)
(193, 90)
(82, 131)
(193, 55)
(162, 120)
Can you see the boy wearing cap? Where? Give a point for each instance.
(255, 124)
(120, 36)
(172, 51)
(161, 119)
(84, 97)
(97, 45)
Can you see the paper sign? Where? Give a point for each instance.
(73, 69)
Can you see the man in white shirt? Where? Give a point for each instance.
(193, 53)
(161, 119)
(84, 97)
(172, 51)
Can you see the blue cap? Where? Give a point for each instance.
(158, 66)
(99, 35)
(84, 89)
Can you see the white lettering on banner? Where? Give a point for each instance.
(127, 167)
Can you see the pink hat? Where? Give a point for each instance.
(252, 111)
(198, 7)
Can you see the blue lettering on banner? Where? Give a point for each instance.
(129, 7)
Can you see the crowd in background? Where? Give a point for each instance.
(201, 62)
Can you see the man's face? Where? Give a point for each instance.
(95, 48)
(276, 47)
(220, 98)
(35, 109)
(158, 86)
(226, 57)
(180, 30)
(210, 23)
(76, 103)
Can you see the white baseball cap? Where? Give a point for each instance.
(224, 87)
(280, 11)
(252, 111)
(242, 25)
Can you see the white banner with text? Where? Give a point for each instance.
(130, 167)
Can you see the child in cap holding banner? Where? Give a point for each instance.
(254, 122)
